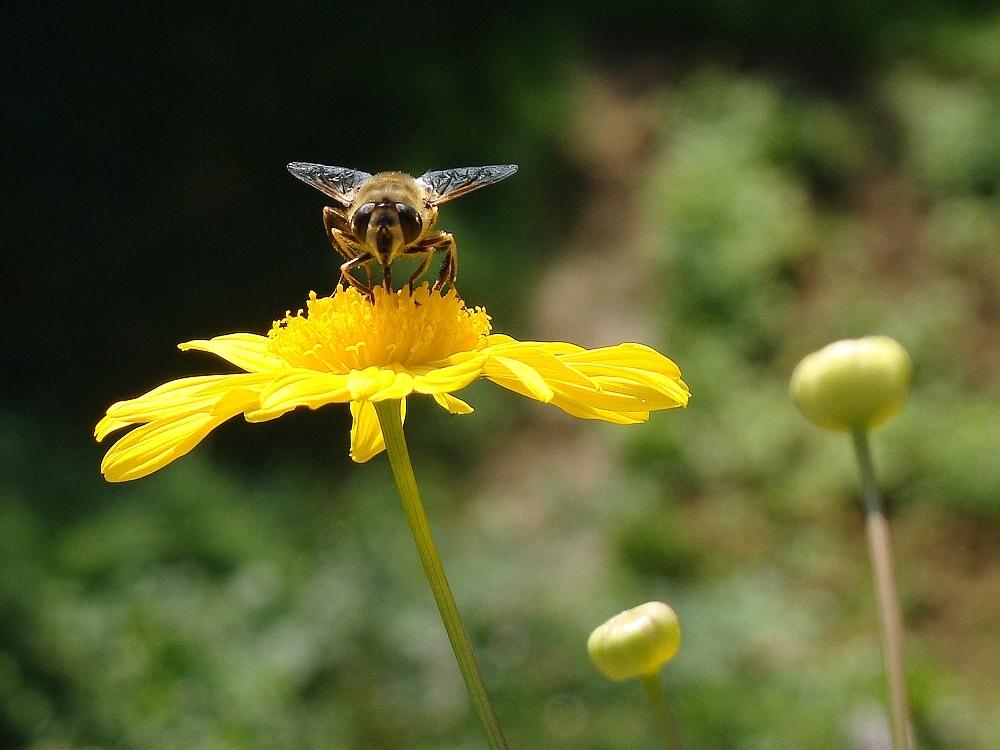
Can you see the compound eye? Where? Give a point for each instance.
(360, 219)
(410, 222)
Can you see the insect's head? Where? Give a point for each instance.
(386, 228)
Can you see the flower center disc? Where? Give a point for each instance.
(347, 331)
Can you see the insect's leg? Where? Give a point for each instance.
(437, 242)
(336, 224)
(345, 273)
(427, 254)
(449, 268)
(343, 245)
(338, 230)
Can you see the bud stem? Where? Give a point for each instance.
(890, 620)
(402, 471)
(664, 718)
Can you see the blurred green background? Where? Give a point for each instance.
(735, 183)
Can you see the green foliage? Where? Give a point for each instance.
(784, 224)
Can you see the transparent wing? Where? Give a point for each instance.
(339, 183)
(450, 183)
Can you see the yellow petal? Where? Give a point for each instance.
(634, 380)
(583, 410)
(176, 397)
(294, 388)
(633, 369)
(503, 344)
(449, 378)
(620, 384)
(624, 395)
(533, 383)
(245, 350)
(452, 404)
(379, 384)
(255, 416)
(637, 356)
(366, 435)
(601, 399)
(107, 425)
(540, 358)
(152, 446)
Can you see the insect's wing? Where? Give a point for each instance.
(447, 184)
(339, 183)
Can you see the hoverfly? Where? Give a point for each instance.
(391, 215)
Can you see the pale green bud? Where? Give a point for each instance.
(636, 642)
(853, 384)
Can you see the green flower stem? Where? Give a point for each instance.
(402, 470)
(664, 718)
(890, 621)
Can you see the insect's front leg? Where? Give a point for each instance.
(425, 261)
(344, 244)
(345, 273)
(438, 242)
(355, 257)
(449, 267)
(340, 233)
(338, 229)
(334, 221)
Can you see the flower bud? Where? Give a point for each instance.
(853, 384)
(636, 642)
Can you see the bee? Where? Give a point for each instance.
(391, 215)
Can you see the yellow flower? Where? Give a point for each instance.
(347, 348)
